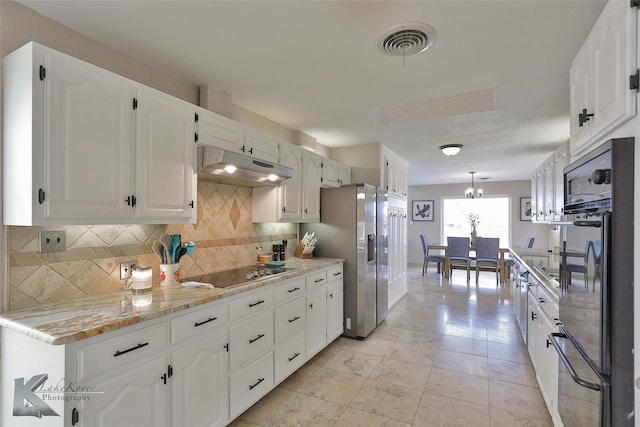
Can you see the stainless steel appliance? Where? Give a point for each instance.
(237, 276)
(353, 226)
(595, 337)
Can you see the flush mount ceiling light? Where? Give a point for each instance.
(451, 149)
(472, 192)
(406, 39)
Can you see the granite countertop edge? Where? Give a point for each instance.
(538, 274)
(75, 320)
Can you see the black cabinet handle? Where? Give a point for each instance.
(311, 306)
(256, 338)
(331, 295)
(120, 353)
(533, 316)
(256, 303)
(294, 319)
(293, 357)
(541, 300)
(319, 280)
(548, 343)
(75, 416)
(164, 379)
(294, 289)
(338, 273)
(210, 319)
(251, 387)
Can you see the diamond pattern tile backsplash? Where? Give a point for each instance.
(225, 238)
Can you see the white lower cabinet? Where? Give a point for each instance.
(288, 357)
(200, 382)
(137, 397)
(335, 310)
(316, 321)
(251, 383)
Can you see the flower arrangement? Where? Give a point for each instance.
(474, 219)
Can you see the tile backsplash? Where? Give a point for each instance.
(225, 238)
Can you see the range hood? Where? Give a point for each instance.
(216, 164)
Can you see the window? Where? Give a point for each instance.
(492, 213)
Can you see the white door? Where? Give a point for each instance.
(580, 96)
(344, 174)
(316, 321)
(335, 308)
(261, 146)
(200, 383)
(312, 171)
(290, 191)
(137, 397)
(165, 183)
(219, 131)
(89, 144)
(330, 173)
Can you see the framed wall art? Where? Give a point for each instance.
(525, 208)
(422, 210)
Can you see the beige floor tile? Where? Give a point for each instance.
(427, 339)
(464, 345)
(301, 410)
(372, 346)
(353, 363)
(502, 418)
(356, 418)
(458, 385)
(240, 422)
(388, 400)
(461, 362)
(386, 332)
(299, 377)
(412, 353)
(442, 411)
(331, 385)
(504, 337)
(401, 373)
(512, 372)
(466, 331)
(516, 398)
(510, 352)
(259, 412)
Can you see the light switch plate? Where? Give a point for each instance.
(52, 241)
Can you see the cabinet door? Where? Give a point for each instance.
(261, 146)
(344, 174)
(335, 308)
(200, 383)
(540, 198)
(137, 397)
(89, 143)
(219, 131)
(312, 176)
(165, 182)
(316, 328)
(580, 95)
(291, 202)
(614, 60)
(549, 193)
(330, 173)
(533, 330)
(560, 161)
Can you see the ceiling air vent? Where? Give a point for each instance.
(406, 39)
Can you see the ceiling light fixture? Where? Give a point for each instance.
(451, 149)
(472, 192)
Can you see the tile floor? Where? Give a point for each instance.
(448, 354)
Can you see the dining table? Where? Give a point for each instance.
(504, 269)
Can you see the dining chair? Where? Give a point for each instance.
(508, 261)
(438, 259)
(571, 268)
(596, 246)
(458, 250)
(530, 241)
(487, 253)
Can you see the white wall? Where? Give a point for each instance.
(520, 230)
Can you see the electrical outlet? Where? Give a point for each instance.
(52, 241)
(126, 269)
(348, 322)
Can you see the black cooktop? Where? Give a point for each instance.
(238, 276)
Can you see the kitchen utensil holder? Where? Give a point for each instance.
(169, 274)
(298, 252)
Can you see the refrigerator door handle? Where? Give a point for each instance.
(371, 247)
(567, 364)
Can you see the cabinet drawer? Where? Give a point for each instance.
(199, 322)
(547, 303)
(289, 319)
(253, 303)
(118, 351)
(250, 384)
(250, 338)
(334, 273)
(288, 357)
(289, 289)
(314, 280)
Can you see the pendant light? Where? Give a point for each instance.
(472, 192)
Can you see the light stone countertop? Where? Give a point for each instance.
(71, 321)
(538, 273)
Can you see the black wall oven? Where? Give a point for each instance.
(595, 338)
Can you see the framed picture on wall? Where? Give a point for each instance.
(525, 208)
(422, 210)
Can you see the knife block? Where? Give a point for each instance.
(298, 252)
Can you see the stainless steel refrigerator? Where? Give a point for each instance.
(353, 226)
(595, 337)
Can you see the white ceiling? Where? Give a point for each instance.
(314, 66)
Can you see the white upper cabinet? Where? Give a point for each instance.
(603, 90)
(310, 191)
(78, 152)
(165, 182)
(261, 146)
(394, 173)
(344, 174)
(335, 174)
(547, 189)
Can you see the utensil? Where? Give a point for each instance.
(158, 250)
(181, 252)
(165, 241)
(176, 242)
(191, 247)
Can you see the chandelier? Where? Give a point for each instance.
(472, 192)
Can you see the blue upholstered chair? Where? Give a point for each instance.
(438, 259)
(580, 267)
(458, 249)
(487, 253)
